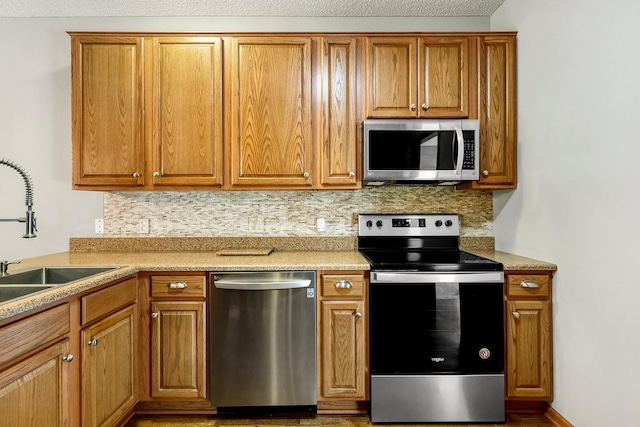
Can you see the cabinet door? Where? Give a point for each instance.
(108, 146)
(35, 391)
(270, 109)
(109, 364)
(529, 354)
(392, 77)
(178, 349)
(343, 349)
(497, 111)
(444, 77)
(339, 140)
(186, 106)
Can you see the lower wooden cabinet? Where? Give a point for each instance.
(109, 368)
(34, 392)
(342, 333)
(529, 349)
(178, 349)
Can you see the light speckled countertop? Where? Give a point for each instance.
(132, 262)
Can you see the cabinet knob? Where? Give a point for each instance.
(136, 175)
(68, 358)
(93, 343)
(413, 107)
(516, 314)
(425, 106)
(177, 285)
(344, 284)
(155, 315)
(156, 174)
(306, 174)
(529, 284)
(352, 174)
(485, 172)
(358, 314)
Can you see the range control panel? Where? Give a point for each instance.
(408, 225)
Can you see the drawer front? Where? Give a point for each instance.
(530, 285)
(178, 286)
(342, 285)
(28, 334)
(108, 300)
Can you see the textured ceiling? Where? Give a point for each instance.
(291, 8)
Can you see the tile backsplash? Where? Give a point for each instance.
(285, 213)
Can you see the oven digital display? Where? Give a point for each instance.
(404, 222)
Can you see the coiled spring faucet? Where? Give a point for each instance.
(30, 217)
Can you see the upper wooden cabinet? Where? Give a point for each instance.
(269, 112)
(418, 77)
(184, 96)
(107, 131)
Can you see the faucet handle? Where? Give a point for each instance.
(4, 265)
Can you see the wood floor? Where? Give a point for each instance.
(319, 421)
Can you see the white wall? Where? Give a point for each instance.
(577, 203)
(35, 109)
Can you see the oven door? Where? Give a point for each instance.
(425, 323)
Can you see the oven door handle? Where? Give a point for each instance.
(422, 277)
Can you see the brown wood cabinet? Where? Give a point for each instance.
(35, 370)
(423, 77)
(529, 349)
(342, 334)
(109, 356)
(269, 112)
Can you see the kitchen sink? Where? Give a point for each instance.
(51, 275)
(9, 292)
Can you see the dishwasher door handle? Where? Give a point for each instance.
(242, 285)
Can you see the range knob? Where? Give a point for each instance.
(369, 223)
(438, 223)
(379, 223)
(448, 223)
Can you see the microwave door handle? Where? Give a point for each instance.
(460, 138)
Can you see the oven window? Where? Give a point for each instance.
(412, 150)
(436, 328)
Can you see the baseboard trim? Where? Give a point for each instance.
(555, 417)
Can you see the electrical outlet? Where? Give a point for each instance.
(255, 225)
(143, 226)
(99, 226)
(322, 225)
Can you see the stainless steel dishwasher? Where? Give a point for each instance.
(263, 340)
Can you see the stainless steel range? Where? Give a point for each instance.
(436, 313)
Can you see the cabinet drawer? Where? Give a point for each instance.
(342, 285)
(28, 334)
(108, 300)
(178, 286)
(530, 285)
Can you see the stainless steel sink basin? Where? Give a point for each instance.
(51, 275)
(9, 292)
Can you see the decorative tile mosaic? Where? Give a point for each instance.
(285, 213)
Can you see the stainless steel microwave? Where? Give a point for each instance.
(421, 150)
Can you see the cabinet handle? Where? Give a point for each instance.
(306, 174)
(156, 174)
(425, 106)
(516, 314)
(344, 284)
(529, 284)
(177, 285)
(413, 107)
(68, 358)
(352, 174)
(358, 314)
(93, 343)
(155, 315)
(485, 172)
(136, 175)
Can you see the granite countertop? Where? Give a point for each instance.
(130, 263)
